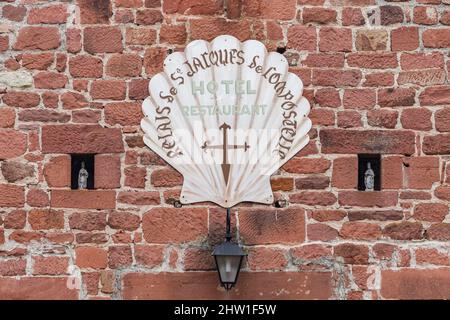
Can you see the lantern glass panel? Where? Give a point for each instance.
(228, 268)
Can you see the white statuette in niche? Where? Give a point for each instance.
(83, 176)
(369, 178)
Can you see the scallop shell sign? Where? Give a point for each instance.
(226, 114)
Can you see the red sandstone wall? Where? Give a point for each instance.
(73, 76)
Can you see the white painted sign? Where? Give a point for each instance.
(226, 115)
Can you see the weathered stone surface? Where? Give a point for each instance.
(415, 284)
(21, 99)
(404, 231)
(203, 285)
(12, 143)
(435, 96)
(83, 199)
(107, 171)
(16, 79)
(123, 220)
(36, 288)
(43, 116)
(371, 40)
(45, 219)
(81, 139)
(380, 215)
(88, 220)
(13, 171)
(422, 77)
(123, 113)
(437, 144)
(442, 120)
(11, 195)
(57, 171)
(396, 97)
(391, 15)
(271, 226)
(102, 39)
(368, 141)
(368, 199)
(7, 117)
(37, 38)
(14, 13)
(85, 66)
(167, 225)
(95, 12)
(139, 198)
(352, 253)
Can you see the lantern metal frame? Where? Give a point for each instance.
(228, 248)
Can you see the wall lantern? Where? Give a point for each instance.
(228, 257)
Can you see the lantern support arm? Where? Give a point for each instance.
(228, 234)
